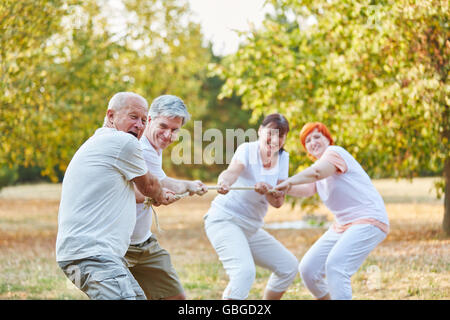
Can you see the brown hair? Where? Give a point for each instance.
(279, 122)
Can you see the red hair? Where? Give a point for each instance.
(310, 127)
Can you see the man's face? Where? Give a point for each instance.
(131, 119)
(162, 131)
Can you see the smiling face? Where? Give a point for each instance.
(162, 131)
(131, 118)
(316, 143)
(270, 140)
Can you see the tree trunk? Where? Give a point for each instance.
(446, 222)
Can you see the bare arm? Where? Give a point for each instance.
(140, 198)
(321, 169)
(276, 199)
(182, 186)
(229, 176)
(302, 190)
(148, 186)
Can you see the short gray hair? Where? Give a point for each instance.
(169, 106)
(119, 100)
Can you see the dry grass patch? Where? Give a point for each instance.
(412, 263)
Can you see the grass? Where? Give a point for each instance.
(412, 263)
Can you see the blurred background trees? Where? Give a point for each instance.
(62, 60)
(374, 71)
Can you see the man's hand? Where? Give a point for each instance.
(262, 187)
(166, 197)
(197, 187)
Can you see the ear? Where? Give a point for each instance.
(110, 115)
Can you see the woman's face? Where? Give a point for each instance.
(316, 143)
(270, 140)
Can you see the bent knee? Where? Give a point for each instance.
(290, 270)
(308, 270)
(244, 274)
(283, 277)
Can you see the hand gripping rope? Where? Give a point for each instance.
(148, 202)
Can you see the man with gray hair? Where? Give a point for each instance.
(97, 212)
(148, 262)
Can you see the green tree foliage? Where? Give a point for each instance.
(58, 68)
(166, 55)
(374, 72)
(24, 101)
(221, 114)
(62, 60)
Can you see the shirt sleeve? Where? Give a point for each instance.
(130, 161)
(241, 154)
(336, 160)
(154, 164)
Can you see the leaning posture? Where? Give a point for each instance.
(361, 220)
(234, 222)
(149, 263)
(97, 212)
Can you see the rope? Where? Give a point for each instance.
(148, 202)
(231, 188)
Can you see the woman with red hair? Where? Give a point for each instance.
(361, 221)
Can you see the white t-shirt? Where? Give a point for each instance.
(97, 212)
(351, 196)
(153, 159)
(248, 205)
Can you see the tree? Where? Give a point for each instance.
(23, 45)
(62, 60)
(374, 72)
(58, 69)
(222, 115)
(166, 55)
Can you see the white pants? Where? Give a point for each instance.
(335, 257)
(239, 249)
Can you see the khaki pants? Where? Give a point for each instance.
(103, 278)
(152, 268)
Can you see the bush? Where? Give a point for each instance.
(8, 176)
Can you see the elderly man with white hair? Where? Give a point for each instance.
(148, 262)
(97, 212)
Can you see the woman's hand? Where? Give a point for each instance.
(284, 186)
(262, 187)
(224, 187)
(276, 193)
(275, 197)
(229, 176)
